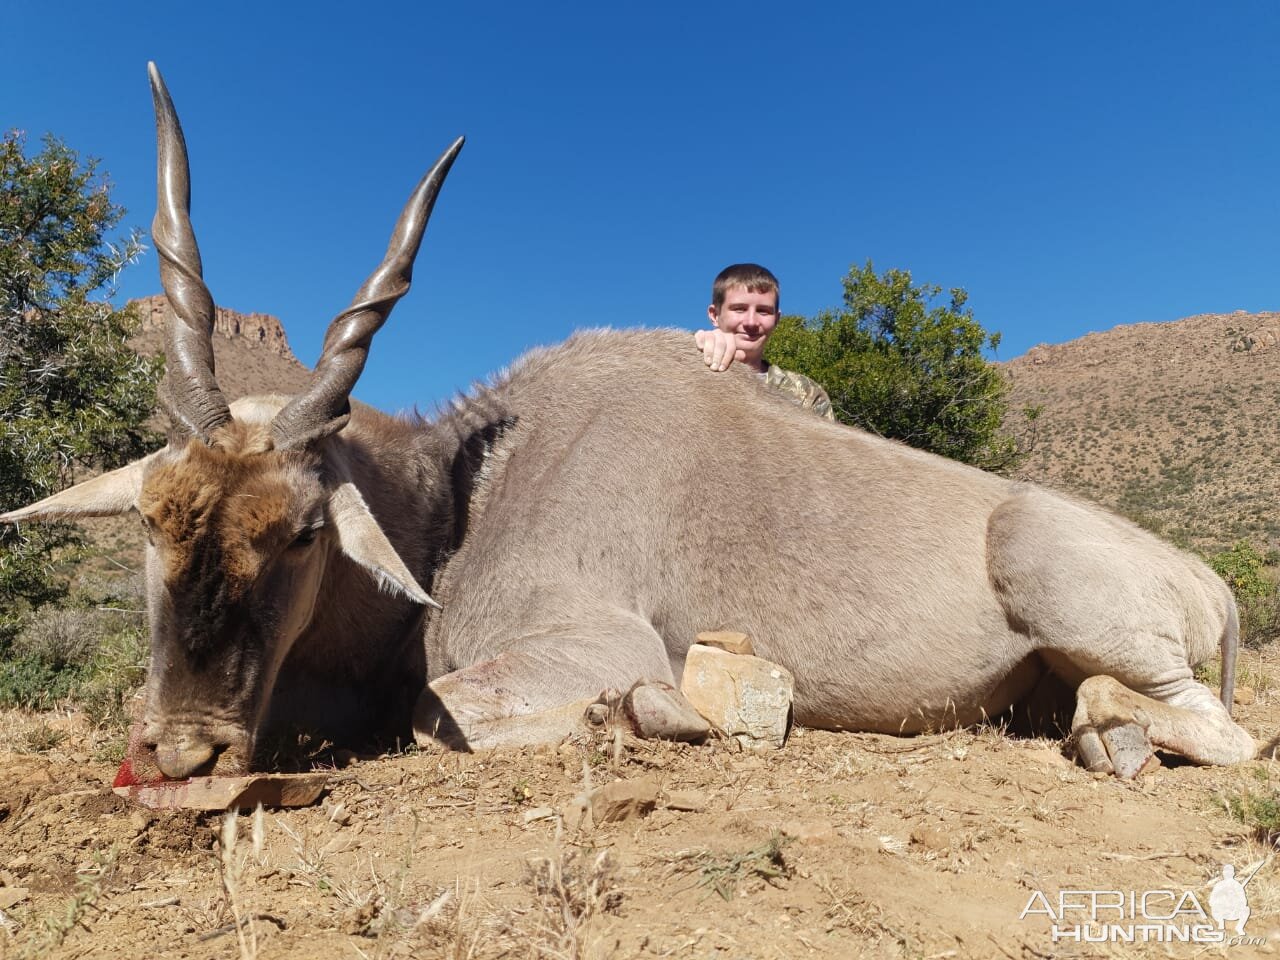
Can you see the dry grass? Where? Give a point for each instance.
(1250, 673)
(570, 888)
(232, 873)
(50, 931)
(723, 873)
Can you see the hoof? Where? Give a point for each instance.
(1092, 754)
(1130, 751)
(604, 710)
(658, 712)
(1123, 750)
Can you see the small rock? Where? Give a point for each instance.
(1245, 695)
(859, 839)
(358, 919)
(930, 839)
(538, 813)
(337, 844)
(140, 821)
(339, 815)
(728, 641)
(12, 896)
(807, 831)
(743, 696)
(623, 799)
(690, 801)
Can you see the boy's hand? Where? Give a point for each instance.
(719, 349)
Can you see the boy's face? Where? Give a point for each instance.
(750, 316)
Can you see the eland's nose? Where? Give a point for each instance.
(183, 757)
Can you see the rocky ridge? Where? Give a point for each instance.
(251, 352)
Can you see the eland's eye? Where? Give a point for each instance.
(304, 538)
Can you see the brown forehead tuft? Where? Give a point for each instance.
(237, 436)
(233, 499)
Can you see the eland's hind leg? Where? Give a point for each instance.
(1124, 617)
(1116, 728)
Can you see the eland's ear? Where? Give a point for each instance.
(106, 495)
(363, 541)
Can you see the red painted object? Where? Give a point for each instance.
(124, 776)
(127, 776)
(141, 781)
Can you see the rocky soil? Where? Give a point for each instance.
(838, 845)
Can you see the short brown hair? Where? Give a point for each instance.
(754, 277)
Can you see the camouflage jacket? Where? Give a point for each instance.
(804, 391)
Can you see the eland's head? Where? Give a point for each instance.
(247, 504)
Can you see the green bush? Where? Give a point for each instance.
(33, 683)
(75, 396)
(1246, 571)
(899, 363)
(87, 655)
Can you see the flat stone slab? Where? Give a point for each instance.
(728, 640)
(228, 793)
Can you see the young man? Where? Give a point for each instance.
(743, 313)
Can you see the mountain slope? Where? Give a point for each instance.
(1173, 424)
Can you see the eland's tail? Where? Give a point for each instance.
(1230, 646)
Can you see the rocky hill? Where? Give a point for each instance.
(250, 350)
(1172, 424)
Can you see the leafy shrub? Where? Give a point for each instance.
(33, 683)
(1245, 569)
(75, 396)
(61, 638)
(96, 658)
(900, 360)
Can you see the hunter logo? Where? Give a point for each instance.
(1149, 916)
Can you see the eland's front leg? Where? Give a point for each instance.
(544, 688)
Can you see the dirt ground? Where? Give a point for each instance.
(839, 845)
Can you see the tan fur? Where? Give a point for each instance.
(235, 491)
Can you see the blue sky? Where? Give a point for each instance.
(1073, 166)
